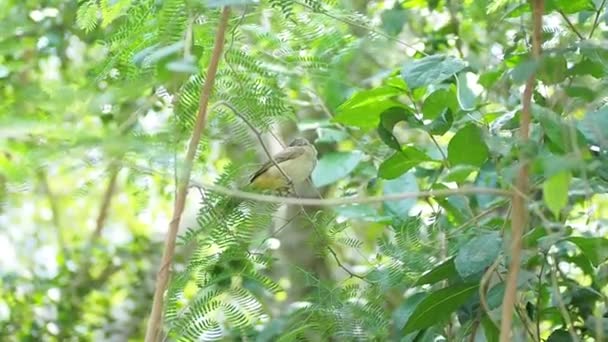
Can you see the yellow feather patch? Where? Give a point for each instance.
(269, 181)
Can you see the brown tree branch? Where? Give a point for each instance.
(105, 204)
(519, 214)
(335, 202)
(155, 322)
(56, 213)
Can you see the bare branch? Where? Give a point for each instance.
(571, 25)
(597, 18)
(56, 213)
(334, 202)
(162, 280)
(519, 214)
(105, 204)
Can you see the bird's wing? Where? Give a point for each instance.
(287, 154)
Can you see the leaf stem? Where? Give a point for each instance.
(597, 18)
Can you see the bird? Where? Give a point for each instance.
(297, 161)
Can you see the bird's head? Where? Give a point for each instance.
(299, 142)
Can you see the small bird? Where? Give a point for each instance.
(297, 161)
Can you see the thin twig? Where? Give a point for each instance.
(334, 202)
(518, 214)
(560, 302)
(597, 18)
(155, 322)
(571, 25)
(483, 288)
(538, 296)
(105, 203)
(55, 212)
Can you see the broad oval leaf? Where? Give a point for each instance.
(403, 313)
(445, 270)
(401, 162)
(363, 109)
(437, 102)
(431, 70)
(555, 191)
(466, 98)
(594, 127)
(335, 166)
(594, 248)
(477, 254)
(439, 305)
(468, 147)
(388, 119)
(459, 173)
(441, 124)
(552, 69)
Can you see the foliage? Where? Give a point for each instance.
(100, 97)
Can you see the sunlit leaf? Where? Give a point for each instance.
(401, 162)
(435, 104)
(555, 191)
(468, 147)
(439, 305)
(364, 108)
(334, 166)
(431, 70)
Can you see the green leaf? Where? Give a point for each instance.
(364, 108)
(584, 93)
(468, 147)
(477, 254)
(436, 103)
(489, 78)
(431, 70)
(459, 173)
(438, 306)
(569, 6)
(495, 295)
(466, 98)
(393, 20)
(560, 335)
(523, 71)
(553, 69)
(588, 67)
(401, 162)
(388, 119)
(334, 166)
(594, 127)
(558, 131)
(403, 313)
(445, 270)
(594, 248)
(400, 208)
(555, 191)
(441, 124)
(490, 330)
